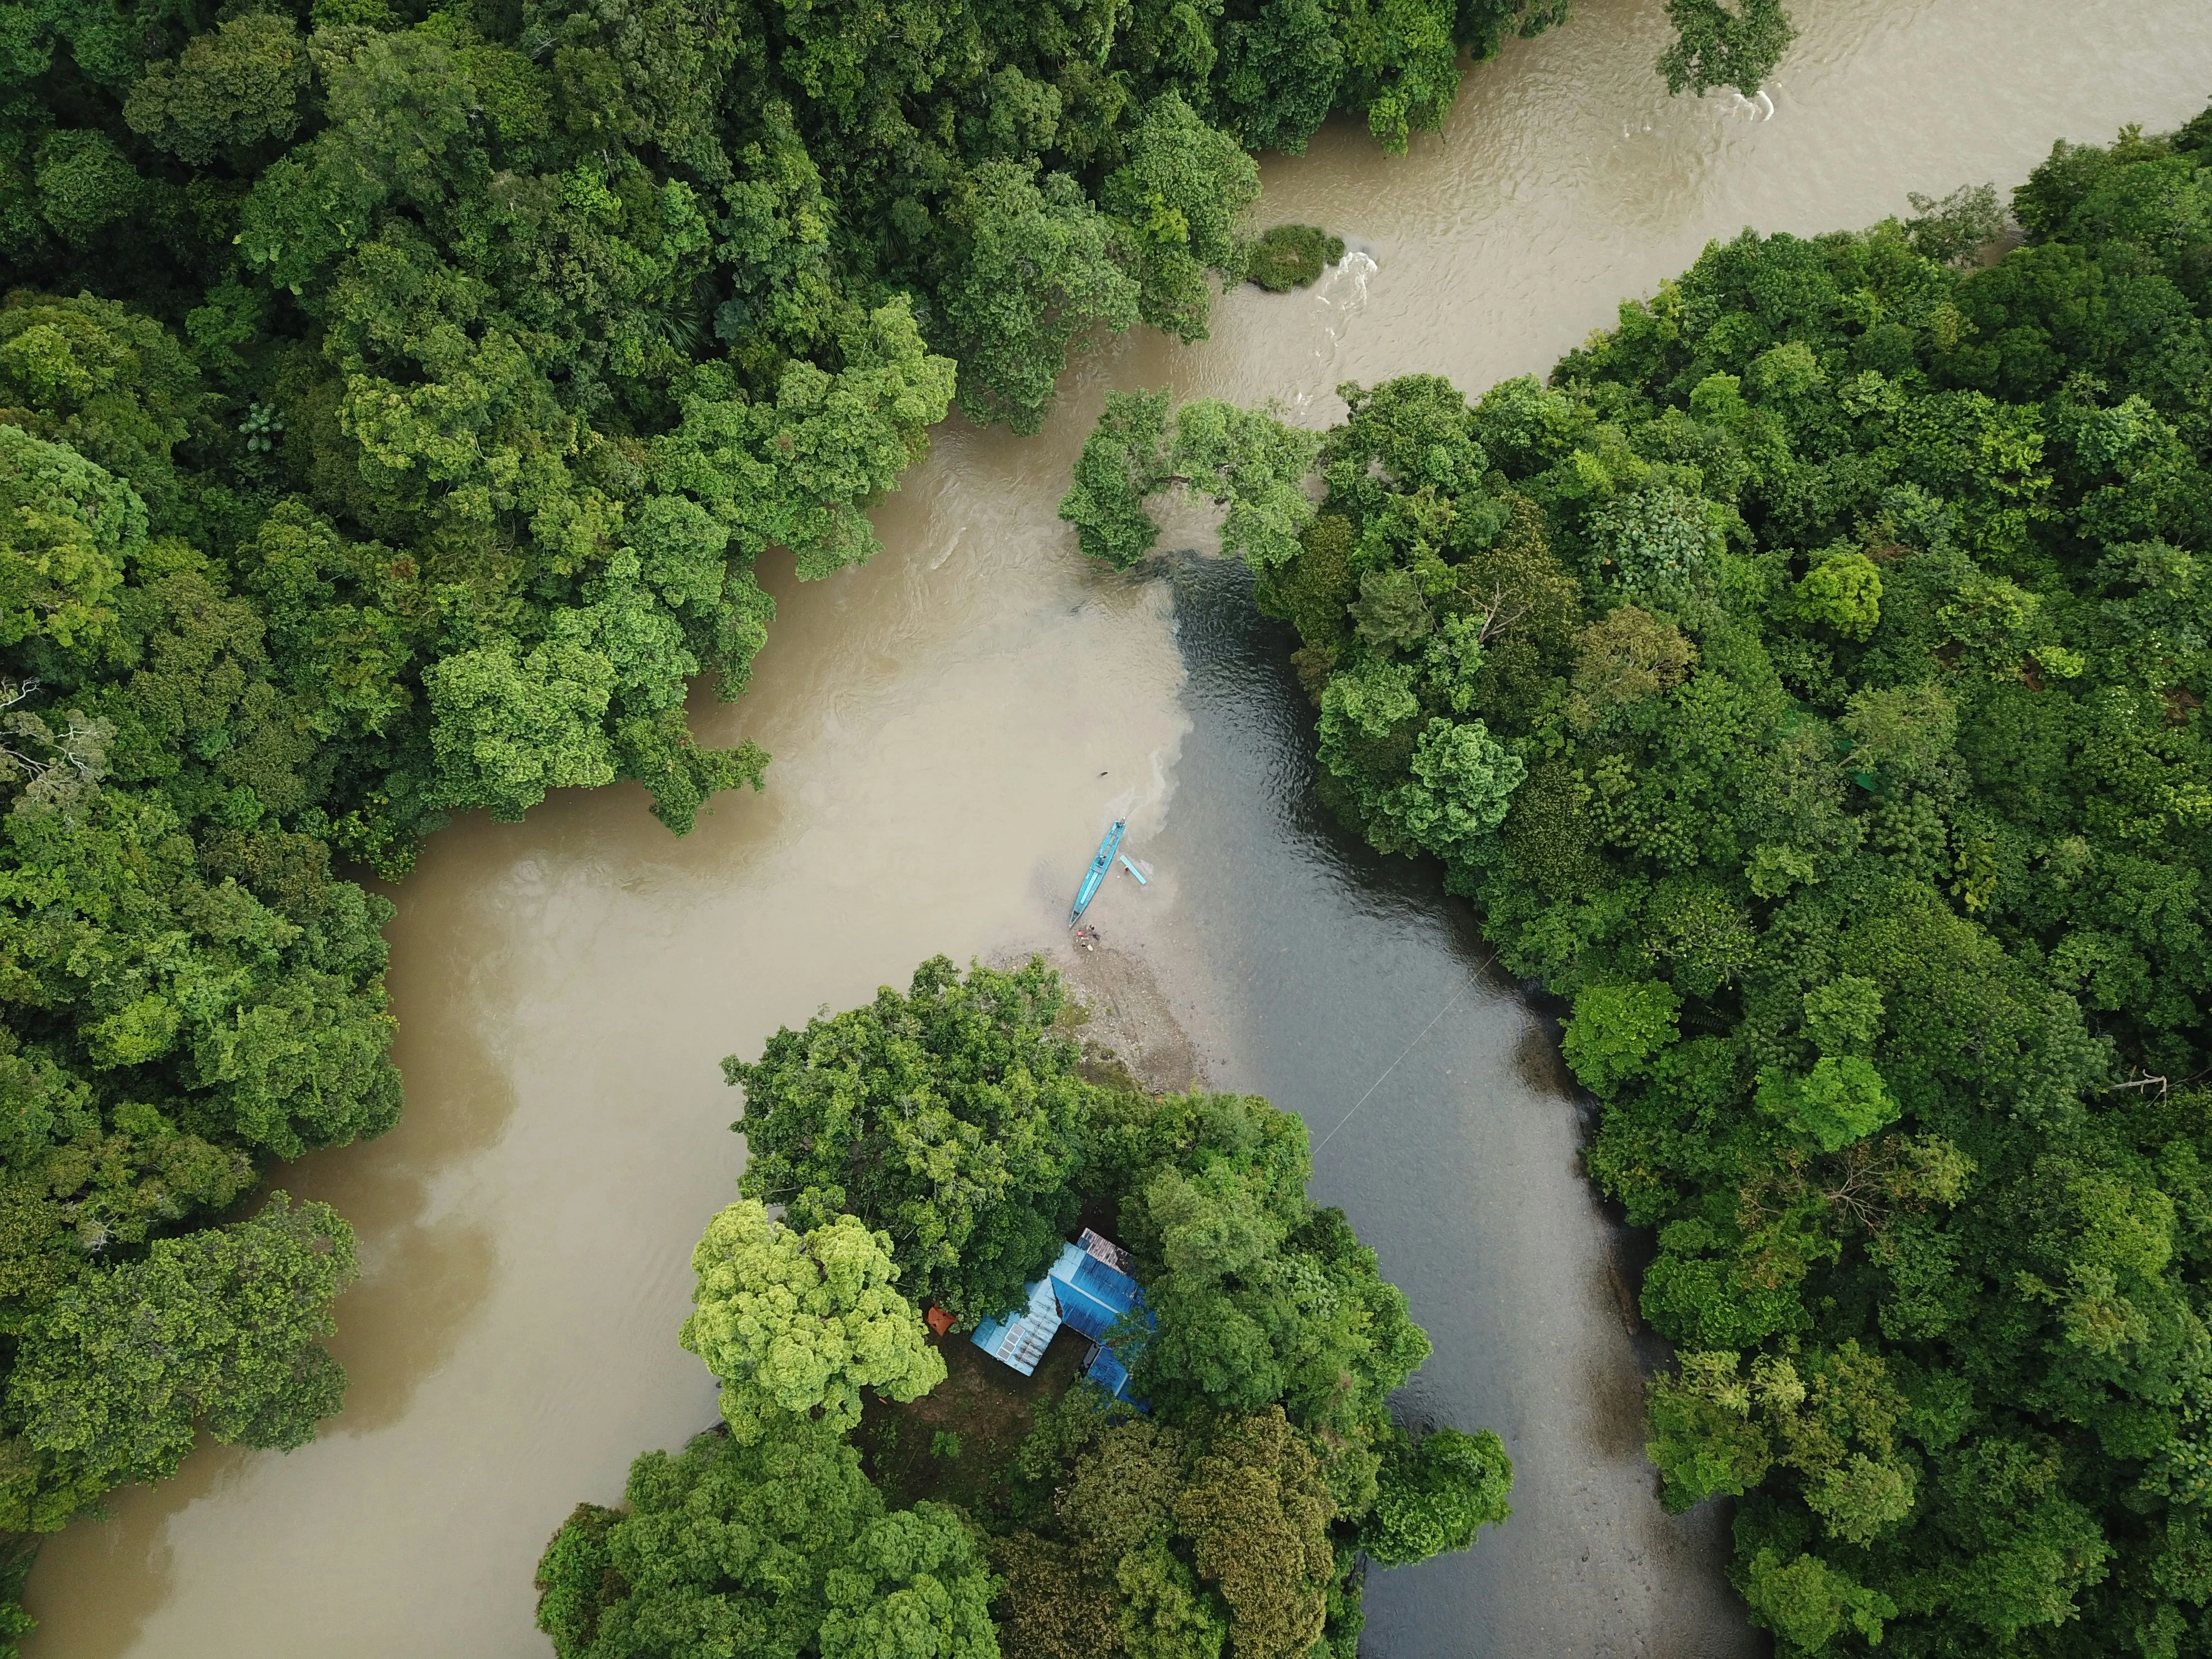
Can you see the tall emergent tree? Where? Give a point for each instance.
(795, 1324)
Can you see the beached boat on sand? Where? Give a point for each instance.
(1096, 873)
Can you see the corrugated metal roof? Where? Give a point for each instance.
(1094, 1291)
(1108, 1373)
(1093, 1295)
(1020, 1341)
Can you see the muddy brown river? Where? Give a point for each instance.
(951, 726)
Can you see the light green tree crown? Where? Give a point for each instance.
(796, 1324)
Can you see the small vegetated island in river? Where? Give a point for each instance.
(1809, 685)
(936, 1151)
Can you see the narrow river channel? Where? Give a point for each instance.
(951, 726)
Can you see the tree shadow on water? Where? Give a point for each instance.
(129, 1555)
(99, 1582)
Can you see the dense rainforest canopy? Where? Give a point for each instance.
(1809, 684)
(966, 1129)
(395, 398)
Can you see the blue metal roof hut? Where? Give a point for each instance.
(1088, 1287)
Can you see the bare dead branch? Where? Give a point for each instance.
(1496, 618)
(2160, 1083)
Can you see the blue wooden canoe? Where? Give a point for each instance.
(1096, 873)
